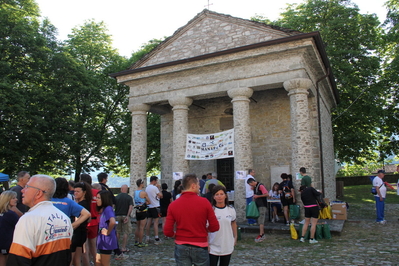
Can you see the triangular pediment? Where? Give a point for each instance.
(211, 32)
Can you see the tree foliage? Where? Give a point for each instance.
(351, 41)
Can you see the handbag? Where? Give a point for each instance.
(294, 234)
(319, 231)
(252, 211)
(294, 212)
(326, 231)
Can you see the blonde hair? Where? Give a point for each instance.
(5, 198)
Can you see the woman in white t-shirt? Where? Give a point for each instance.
(222, 242)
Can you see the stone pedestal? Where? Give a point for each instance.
(242, 144)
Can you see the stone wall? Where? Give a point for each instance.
(270, 132)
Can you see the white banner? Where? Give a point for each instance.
(210, 146)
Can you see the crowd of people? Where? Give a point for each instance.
(52, 221)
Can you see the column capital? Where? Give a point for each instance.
(242, 93)
(141, 108)
(180, 102)
(299, 85)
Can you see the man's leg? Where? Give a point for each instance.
(182, 255)
(199, 256)
(156, 224)
(147, 227)
(378, 207)
(261, 219)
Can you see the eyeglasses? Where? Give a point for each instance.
(27, 186)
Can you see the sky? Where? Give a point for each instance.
(133, 23)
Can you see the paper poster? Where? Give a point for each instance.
(240, 174)
(177, 175)
(298, 176)
(210, 146)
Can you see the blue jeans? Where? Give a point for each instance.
(380, 206)
(187, 255)
(250, 221)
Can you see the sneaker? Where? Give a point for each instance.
(273, 220)
(382, 222)
(142, 245)
(313, 241)
(277, 219)
(302, 222)
(260, 238)
(136, 244)
(147, 239)
(157, 241)
(121, 257)
(302, 240)
(287, 224)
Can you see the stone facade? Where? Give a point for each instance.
(218, 72)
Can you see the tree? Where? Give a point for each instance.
(97, 101)
(390, 79)
(118, 150)
(27, 48)
(351, 41)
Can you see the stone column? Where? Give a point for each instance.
(138, 160)
(242, 144)
(180, 109)
(301, 149)
(300, 124)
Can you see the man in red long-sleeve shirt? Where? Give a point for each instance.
(194, 218)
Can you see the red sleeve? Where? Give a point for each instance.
(213, 222)
(169, 223)
(263, 189)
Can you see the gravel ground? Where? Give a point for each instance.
(362, 242)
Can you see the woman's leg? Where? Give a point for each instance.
(286, 214)
(78, 256)
(313, 227)
(305, 227)
(225, 260)
(3, 259)
(141, 226)
(105, 259)
(98, 260)
(213, 260)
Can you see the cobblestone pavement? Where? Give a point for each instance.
(362, 242)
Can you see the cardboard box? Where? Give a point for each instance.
(338, 211)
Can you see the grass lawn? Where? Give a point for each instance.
(361, 194)
(362, 205)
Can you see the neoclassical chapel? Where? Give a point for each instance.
(273, 86)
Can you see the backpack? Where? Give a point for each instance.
(373, 189)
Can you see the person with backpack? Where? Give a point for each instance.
(287, 196)
(381, 190)
(260, 197)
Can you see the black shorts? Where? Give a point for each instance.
(164, 212)
(287, 202)
(153, 213)
(312, 212)
(141, 215)
(105, 252)
(78, 239)
(5, 251)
